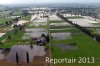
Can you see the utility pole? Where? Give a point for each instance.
(49, 37)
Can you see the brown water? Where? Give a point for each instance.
(61, 36)
(21, 50)
(2, 56)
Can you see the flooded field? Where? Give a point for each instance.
(35, 30)
(33, 35)
(2, 56)
(54, 17)
(61, 36)
(59, 24)
(67, 47)
(22, 50)
(84, 22)
(39, 21)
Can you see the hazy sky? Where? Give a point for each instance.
(45, 1)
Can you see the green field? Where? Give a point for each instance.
(2, 20)
(73, 30)
(15, 38)
(60, 27)
(26, 18)
(56, 21)
(87, 47)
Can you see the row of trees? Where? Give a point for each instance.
(85, 30)
(20, 27)
(7, 23)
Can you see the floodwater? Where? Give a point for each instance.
(1, 55)
(30, 30)
(60, 24)
(34, 32)
(54, 17)
(84, 22)
(61, 36)
(39, 21)
(38, 24)
(22, 50)
(66, 47)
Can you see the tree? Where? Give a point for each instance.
(6, 23)
(17, 58)
(1, 43)
(25, 13)
(47, 39)
(9, 37)
(27, 57)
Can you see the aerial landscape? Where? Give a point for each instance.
(49, 33)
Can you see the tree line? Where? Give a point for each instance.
(7, 23)
(83, 29)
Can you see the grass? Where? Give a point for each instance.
(27, 18)
(36, 26)
(87, 47)
(66, 41)
(40, 26)
(60, 27)
(8, 33)
(72, 30)
(15, 39)
(2, 20)
(56, 21)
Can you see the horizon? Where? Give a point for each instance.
(47, 1)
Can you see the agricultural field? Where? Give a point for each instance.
(14, 33)
(66, 40)
(18, 39)
(48, 33)
(73, 43)
(88, 22)
(2, 20)
(26, 18)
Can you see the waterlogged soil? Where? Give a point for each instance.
(61, 36)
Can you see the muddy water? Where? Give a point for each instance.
(34, 32)
(22, 50)
(66, 47)
(61, 36)
(2, 56)
(39, 21)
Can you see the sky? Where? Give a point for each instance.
(46, 1)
